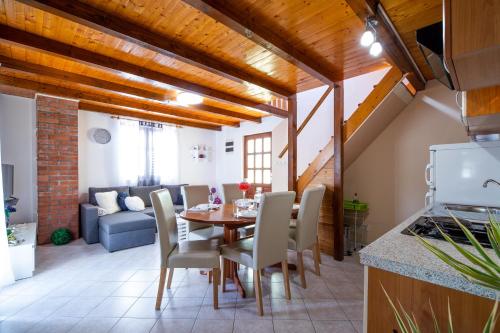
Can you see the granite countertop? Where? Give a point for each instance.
(402, 254)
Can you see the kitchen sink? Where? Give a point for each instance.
(473, 209)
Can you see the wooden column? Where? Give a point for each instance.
(338, 171)
(292, 143)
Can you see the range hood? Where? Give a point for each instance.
(430, 43)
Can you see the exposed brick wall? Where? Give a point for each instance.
(57, 166)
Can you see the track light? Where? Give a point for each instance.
(369, 37)
(376, 49)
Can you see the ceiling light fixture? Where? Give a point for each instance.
(187, 98)
(369, 37)
(376, 49)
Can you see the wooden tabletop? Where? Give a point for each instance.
(223, 215)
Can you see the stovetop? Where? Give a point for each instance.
(425, 226)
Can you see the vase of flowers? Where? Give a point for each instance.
(244, 186)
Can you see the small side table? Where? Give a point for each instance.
(22, 255)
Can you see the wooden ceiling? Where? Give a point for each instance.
(245, 57)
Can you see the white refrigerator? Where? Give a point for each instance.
(457, 172)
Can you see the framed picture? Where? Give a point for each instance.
(229, 146)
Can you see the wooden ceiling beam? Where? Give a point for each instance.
(227, 13)
(22, 66)
(53, 47)
(387, 35)
(118, 101)
(143, 115)
(98, 20)
(27, 67)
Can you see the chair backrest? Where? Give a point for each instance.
(271, 228)
(308, 217)
(194, 195)
(165, 222)
(231, 192)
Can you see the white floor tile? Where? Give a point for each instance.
(324, 310)
(333, 326)
(173, 325)
(54, 325)
(183, 308)
(145, 275)
(253, 326)
(213, 326)
(133, 325)
(94, 325)
(285, 309)
(113, 307)
(132, 289)
(44, 307)
(79, 306)
(101, 288)
(145, 308)
(293, 326)
(18, 324)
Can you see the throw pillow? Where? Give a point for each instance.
(100, 211)
(121, 200)
(107, 201)
(135, 204)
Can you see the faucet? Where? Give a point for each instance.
(485, 184)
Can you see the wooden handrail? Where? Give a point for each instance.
(364, 110)
(309, 116)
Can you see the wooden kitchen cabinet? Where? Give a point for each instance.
(469, 312)
(481, 110)
(472, 42)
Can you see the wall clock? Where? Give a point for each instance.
(101, 136)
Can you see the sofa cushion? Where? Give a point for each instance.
(149, 211)
(121, 200)
(107, 201)
(94, 190)
(143, 192)
(175, 193)
(126, 221)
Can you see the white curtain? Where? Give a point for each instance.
(148, 154)
(6, 275)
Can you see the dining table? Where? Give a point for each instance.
(224, 216)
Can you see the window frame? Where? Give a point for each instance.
(246, 138)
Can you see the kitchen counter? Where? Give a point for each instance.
(404, 255)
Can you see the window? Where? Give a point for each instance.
(258, 161)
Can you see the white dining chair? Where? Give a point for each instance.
(303, 232)
(231, 192)
(268, 246)
(187, 254)
(194, 195)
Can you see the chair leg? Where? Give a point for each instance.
(317, 259)
(319, 252)
(161, 286)
(210, 276)
(300, 268)
(258, 291)
(170, 275)
(224, 272)
(216, 277)
(286, 279)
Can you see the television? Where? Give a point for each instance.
(8, 180)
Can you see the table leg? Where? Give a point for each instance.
(230, 235)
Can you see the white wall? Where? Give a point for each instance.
(97, 163)
(17, 134)
(197, 172)
(319, 130)
(230, 165)
(389, 174)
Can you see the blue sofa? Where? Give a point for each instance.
(124, 229)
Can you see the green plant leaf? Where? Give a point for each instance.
(411, 321)
(468, 272)
(399, 319)
(487, 265)
(490, 324)
(474, 242)
(434, 319)
(450, 319)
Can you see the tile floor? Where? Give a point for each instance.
(83, 288)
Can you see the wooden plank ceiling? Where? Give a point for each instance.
(244, 57)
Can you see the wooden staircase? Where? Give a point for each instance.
(388, 98)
